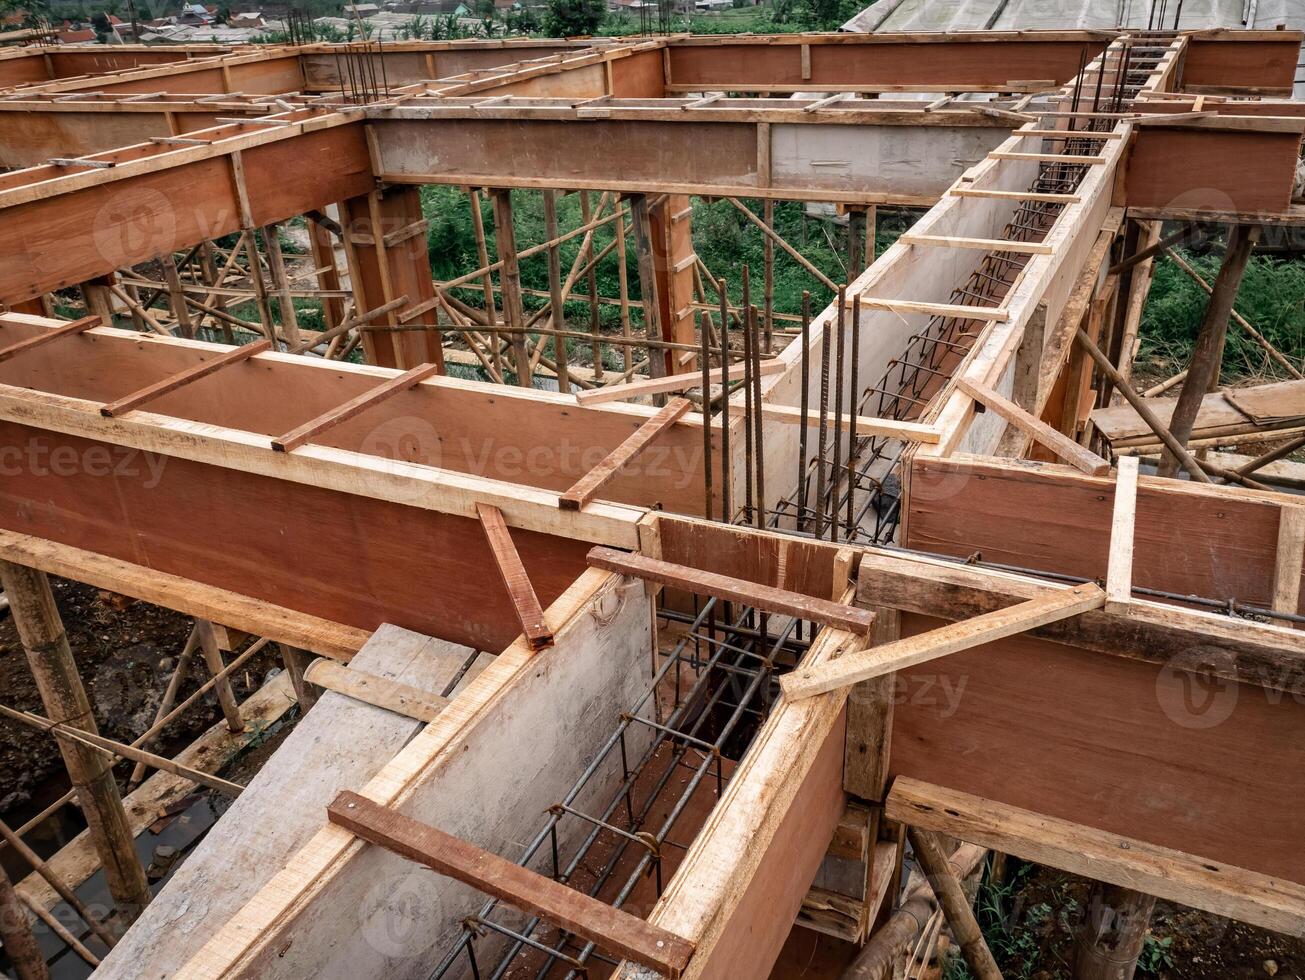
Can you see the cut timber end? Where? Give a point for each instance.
(610, 929)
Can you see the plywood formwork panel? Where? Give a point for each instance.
(526, 437)
(339, 744)
(348, 558)
(1262, 60)
(1212, 170)
(1215, 542)
(57, 241)
(345, 909)
(974, 61)
(1213, 768)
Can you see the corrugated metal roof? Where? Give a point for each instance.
(1039, 15)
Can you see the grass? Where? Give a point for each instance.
(1271, 298)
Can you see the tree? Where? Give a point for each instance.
(567, 18)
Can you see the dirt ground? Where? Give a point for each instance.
(1030, 923)
(125, 651)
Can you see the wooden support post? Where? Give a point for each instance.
(1119, 570)
(296, 661)
(652, 306)
(19, 943)
(586, 488)
(1207, 356)
(591, 281)
(208, 646)
(213, 277)
(1110, 939)
(764, 597)
(955, 904)
(610, 929)
(1140, 406)
(250, 242)
(42, 868)
(1024, 386)
(860, 665)
(389, 266)
(870, 719)
(529, 612)
(176, 296)
(555, 292)
(51, 660)
(281, 283)
(856, 225)
(1067, 449)
(487, 280)
(505, 242)
(670, 229)
(99, 303)
(322, 248)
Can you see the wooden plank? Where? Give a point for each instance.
(515, 579)
(763, 597)
(1047, 157)
(863, 664)
(586, 488)
(1119, 572)
(202, 600)
(991, 314)
(675, 382)
(612, 930)
(986, 244)
(866, 425)
(1060, 444)
(1232, 648)
(1288, 559)
(1052, 197)
(380, 692)
(181, 378)
(368, 399)
(66, 330)
(1187, 879)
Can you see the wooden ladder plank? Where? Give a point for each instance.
(1198, 882)
(612, 930)
(515, 579)
(1047, 157)
(587, 487)
(50, 336)
(1066, 448)
(764, 597)
(202, 370)
(987, 244)
(368, 399)
(994, 314)
(1051, 196)
(860, 665)
(672, 382)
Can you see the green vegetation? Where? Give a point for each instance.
(567, 18)
(1272, 299)
(723, 237)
